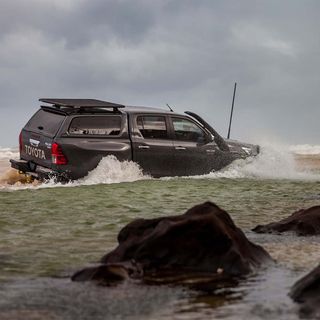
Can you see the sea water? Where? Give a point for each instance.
(50, 230)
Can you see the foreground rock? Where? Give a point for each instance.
(304, 222)
(306, 291)
(202, 243)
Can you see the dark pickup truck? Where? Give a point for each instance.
(67, 138)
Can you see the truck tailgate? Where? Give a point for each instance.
(37, 136)
(36, 148)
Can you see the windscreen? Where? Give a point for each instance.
(45, 122)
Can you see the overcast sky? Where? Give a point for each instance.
(187, 53)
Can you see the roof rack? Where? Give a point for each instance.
(81, 103)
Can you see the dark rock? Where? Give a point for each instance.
(109, 273)
(306, 292)
(204, 242)
(304, 222)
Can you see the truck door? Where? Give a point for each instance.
(152, 145)
(194, 149)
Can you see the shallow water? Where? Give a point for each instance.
(49, 231)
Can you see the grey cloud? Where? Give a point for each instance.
(186, 53)
(81, 24)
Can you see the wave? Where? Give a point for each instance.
(305, 149)
(8, 153)
(272, 163)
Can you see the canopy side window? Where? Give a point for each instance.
(98, 125)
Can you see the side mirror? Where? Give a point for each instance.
(205, 139)
(209, 138)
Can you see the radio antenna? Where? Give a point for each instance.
(169, 108)
(234, 94)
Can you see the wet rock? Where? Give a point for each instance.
(109, 273)
(306, 292)
(304, 222)
(202, 243)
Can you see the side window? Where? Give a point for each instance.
(186, 130)
(96, 125)
(152, 127)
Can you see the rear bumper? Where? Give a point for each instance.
(36, 171)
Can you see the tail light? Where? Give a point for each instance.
(57, 155)
(20, 142)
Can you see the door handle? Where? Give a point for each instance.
(180, 148)
(211, 151)
(143, 147)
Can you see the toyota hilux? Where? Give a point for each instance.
(67, 138)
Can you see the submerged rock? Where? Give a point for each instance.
(304, 222)
(202, 243)
(306, 292)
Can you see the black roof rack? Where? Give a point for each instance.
(81, 103)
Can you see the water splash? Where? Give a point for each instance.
(271, 163)
(12, 177)
(111, 170)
